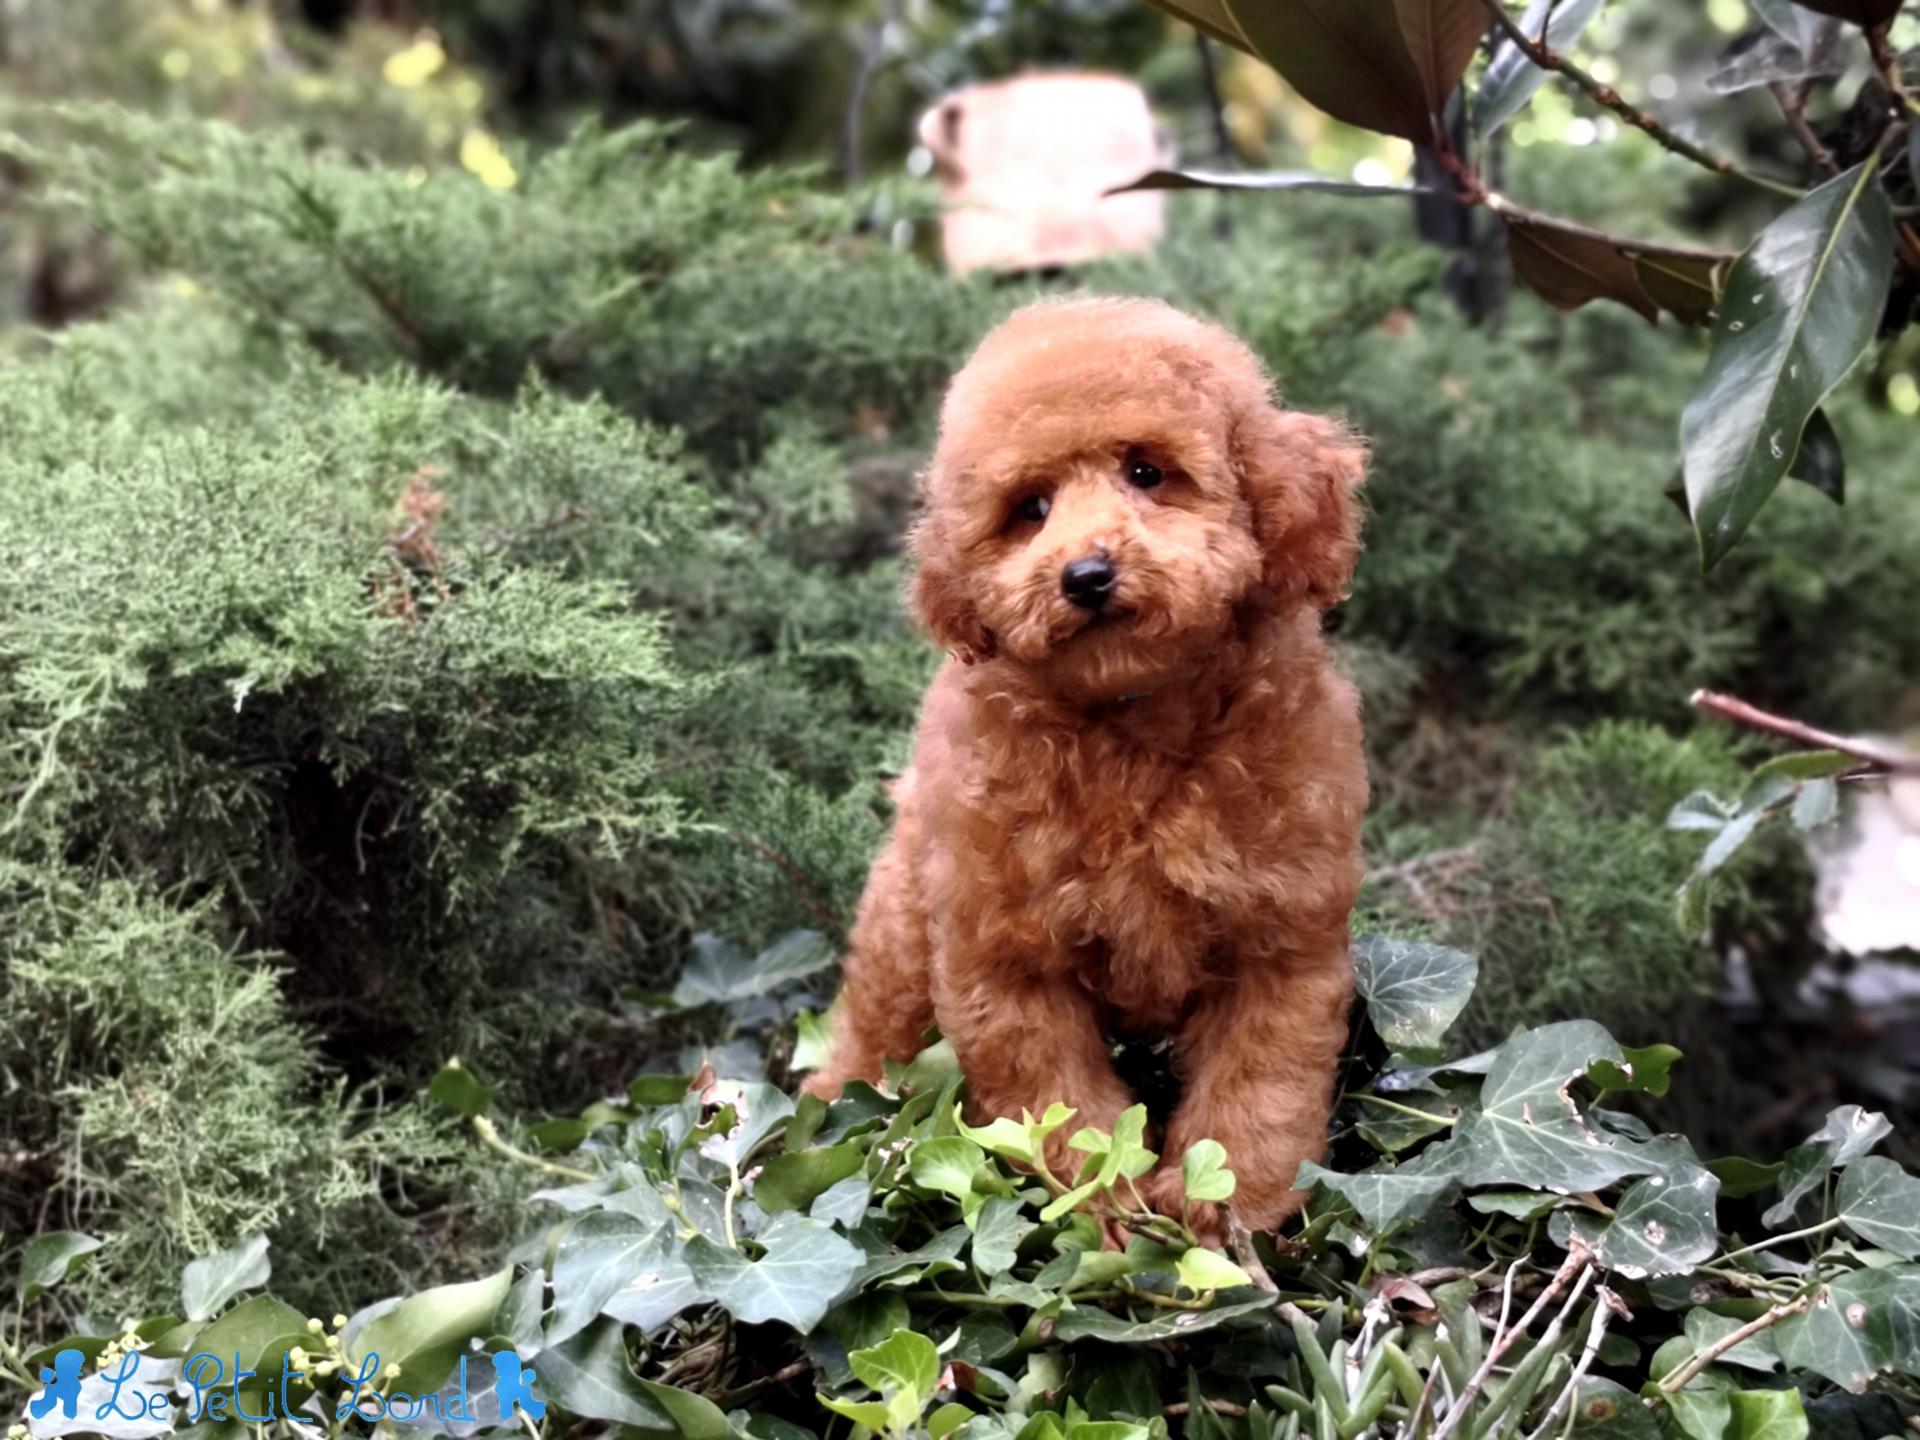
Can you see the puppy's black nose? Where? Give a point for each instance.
(1088, 582)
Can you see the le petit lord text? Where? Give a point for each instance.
(217, 1397)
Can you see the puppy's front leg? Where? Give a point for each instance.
(1259, 1058)
(1025, 1040)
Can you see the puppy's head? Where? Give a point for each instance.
(1113, 486)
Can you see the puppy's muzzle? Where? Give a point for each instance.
(1088, 582)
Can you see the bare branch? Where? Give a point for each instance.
(1707, 1354)
(1608, 98)
(1608, 1304)
(1793, 104)
(1579, 1261)
(1880, 757)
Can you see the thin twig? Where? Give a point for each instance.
(1577, 1261)
(1240, 1242)
(1605, 96)
(808, 894)
(1793, 104)
(1606, 1303)
(1219, 1407)
(1887, 62)
(1728, 707)
(1707, 1354)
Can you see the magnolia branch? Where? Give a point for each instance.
(1608, 98)
(1881, 757)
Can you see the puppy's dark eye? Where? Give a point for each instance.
(1034, 508)
(1143, 472)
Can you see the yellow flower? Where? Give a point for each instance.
(480, 152)
(414, 66)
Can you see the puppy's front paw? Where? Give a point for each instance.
(823, 1083)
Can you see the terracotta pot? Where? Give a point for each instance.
(1023, 165)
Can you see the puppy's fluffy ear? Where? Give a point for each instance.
(940, 599)
(1301, 473)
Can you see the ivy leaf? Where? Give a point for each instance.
(1767, 1415)
(1203, 1269)
(1204, 1172)
(719, 971)
(1740, 1178)
(251, 1329)
(656, 1292)
(1511, 78)
(794, 1180)
(49, 1258)
(1880, 1203)
(694, 1416)
(1528, 1131)
(1086, 1323)
(597, 1256)
(805, 1268)
(426, 1332)
(1414, 990)
(588, 1377)
(1846, 1334)
(1520, 1204)
(1663, 1224)
(998, 1229)
(1603, 1410)
(1848, 1133)
(460, 1090)
(757, 1109)
(1383, 1198)
(1800, 306)
(934, 1257)
(207, 1284)
(947, 1165)
(1386, 65)
(844, 1203)
(1756, 1352)
(905, 1362)
(1023, 1139)
(812, 1041)
(1648, 1069)
(1703, 1410)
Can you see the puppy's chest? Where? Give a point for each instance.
(1153, 855)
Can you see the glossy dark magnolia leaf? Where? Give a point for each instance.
(1386, 65)
(1860, 12)
(1821, 462)
(1511, 78)
(1567, 266)
(1799, 308)
(1306, 180)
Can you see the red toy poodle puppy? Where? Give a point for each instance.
(1135, 798)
